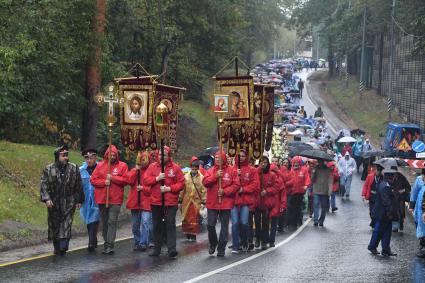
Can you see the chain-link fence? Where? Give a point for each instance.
(408, 84)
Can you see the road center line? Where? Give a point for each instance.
(208, 274)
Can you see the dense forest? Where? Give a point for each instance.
(51, 52)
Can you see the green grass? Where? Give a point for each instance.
(196, 130)
(21, 166)
(368, 113)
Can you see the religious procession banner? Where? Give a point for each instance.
(141, 96)
(248, 123)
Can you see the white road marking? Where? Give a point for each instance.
(208, 274)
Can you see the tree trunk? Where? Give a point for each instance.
(93, 78)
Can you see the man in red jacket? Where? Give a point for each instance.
(299, 181)
(245, 197)
(270, 185)
(165, 185)
(139, 202)
(116, 181)
(220, 200)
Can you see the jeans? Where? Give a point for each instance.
(294, 209)
(220, 243)
(250, 235)
(321, 201)
(239, 217)
(168, 227)
(381, 233)
(273, 228)
(92, 231)
(109, 218)
(333, 200)
(347, 184)
(142, 226)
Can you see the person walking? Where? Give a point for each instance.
(116, 180)
(62, 192)
(384, 212)
(165, 189)
(318, 113)
(346, 167)
(370, 189)
(89, 211)
(297, 185)
(401, 188)
(301, 87)
(335, 185)
(417, 198)
(220, 201)
(322, 187)
(192, 199)
(302, 112)
(244, 198)
(139, 203)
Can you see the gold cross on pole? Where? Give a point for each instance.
(111, 99)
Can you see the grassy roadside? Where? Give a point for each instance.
(368, 113)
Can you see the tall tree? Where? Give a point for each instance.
(93, 78)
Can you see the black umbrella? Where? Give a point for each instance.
(209, 151)
(296, 150)
(357, 132)
(316, 154)
(207, 160)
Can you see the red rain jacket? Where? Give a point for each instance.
(230, 185)
(118, 181)
(174, 178)
(250, 183)
(145, 200)
(272, 185)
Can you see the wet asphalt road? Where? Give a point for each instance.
(334, 253)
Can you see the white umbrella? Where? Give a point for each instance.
(296, 133)
(347, 139)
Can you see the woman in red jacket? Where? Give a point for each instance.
(285, 173)
(165, 190)
(139, 203)
(335, 185)
(298, 184)
(220, 200)
(269, 199)
(116, 181)
(245, 197)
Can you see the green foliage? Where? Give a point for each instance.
(45, 45)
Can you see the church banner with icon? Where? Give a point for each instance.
(140, 96)
(248, 123)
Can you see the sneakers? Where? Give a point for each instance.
(264, 247)
(388, 254)
(250, 247)
(220, 254)
(315, 224)
(257, 244)
(245, 248)
(272, 245)
(211, 250)
(373, 251)
(235, 252)
(334, 209)
(321, 224)
(108, 251)
(172, 254)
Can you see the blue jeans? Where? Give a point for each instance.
(381, 233)
(333, 200)
(141, 226)
(347, 184)
(321, 201)
(273, 229)
(239, 216)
